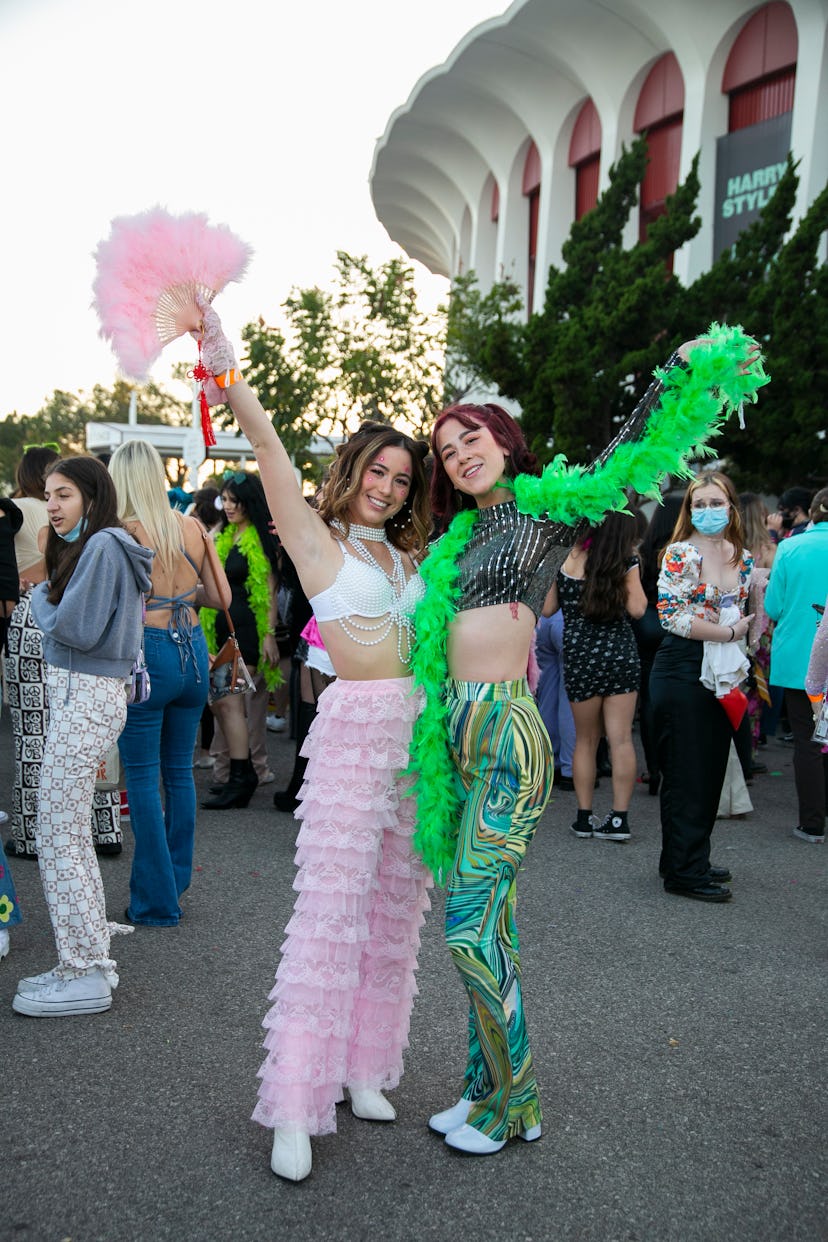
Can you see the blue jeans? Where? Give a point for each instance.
(157, 746)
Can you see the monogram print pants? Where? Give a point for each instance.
(25, 677)
(86, 716)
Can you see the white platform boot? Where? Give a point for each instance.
(291, 1156)
(371, 1105)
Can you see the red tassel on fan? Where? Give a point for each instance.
(201, 374)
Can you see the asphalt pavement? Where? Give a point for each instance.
(680, 1049)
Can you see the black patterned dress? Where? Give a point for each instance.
(600, 657)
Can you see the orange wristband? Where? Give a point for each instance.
(228, 378)
(816, 698)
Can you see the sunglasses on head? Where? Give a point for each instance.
(237, 476)
(50, 444)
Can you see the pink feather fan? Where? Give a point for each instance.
(150, 270)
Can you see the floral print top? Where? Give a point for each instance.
(682, 595)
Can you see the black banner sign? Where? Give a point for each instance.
(749, 166)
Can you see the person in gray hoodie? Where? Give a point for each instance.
(90, 612)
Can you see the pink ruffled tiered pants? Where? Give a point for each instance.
(345, 983)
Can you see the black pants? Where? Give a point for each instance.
(810, 765)
(693, 736)
(649, 636)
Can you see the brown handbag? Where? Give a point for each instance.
(228, 672)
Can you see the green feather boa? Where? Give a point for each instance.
(691, 409)
(258, 594)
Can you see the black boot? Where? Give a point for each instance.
(287, 799)
(239, 789)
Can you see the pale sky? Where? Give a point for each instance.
(259, 113)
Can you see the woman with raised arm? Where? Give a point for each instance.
(487, 580)
(345, 983)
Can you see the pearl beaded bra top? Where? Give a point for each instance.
(364, 590)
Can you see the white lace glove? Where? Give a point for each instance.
(217, 353)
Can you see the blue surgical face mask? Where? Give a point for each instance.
(75, 533)
(710, 521)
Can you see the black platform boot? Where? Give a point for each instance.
(287, 799)
(239, 789)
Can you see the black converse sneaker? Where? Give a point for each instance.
(613, 827)
(584, 824)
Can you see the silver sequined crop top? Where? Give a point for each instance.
(510, 558)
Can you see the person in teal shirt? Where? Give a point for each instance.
(798, 581)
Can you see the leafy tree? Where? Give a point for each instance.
(363, 350)
(63, 420)
(612, 314)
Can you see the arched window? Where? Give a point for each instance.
(759, 80)
(659, 115)
(585, 158)
(760, 73)
(495, 202)
(531, 188)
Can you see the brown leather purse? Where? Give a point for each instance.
(228, 672)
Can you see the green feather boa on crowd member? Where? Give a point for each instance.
(258, 594)
(691, 409)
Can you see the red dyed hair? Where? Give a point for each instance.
(445, 500)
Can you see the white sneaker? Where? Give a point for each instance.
(276, 724)
(370, 1105)
(5, 944)
(4, 817)
(32, 984)
(205, 761)
(64, 998)
(452, 1118)
(291, 1156)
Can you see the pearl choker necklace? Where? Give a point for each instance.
(370, 534)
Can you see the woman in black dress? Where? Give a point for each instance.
(248, 550)
(599, 588)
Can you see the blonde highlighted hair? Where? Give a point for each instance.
(138, 474)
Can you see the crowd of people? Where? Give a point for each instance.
(442, 610)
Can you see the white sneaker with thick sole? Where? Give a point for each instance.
(451, 1118)
(66, 998)
(5, 944)
(370, 1105)
(291, 1156)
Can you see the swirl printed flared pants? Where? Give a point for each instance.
(505, 765)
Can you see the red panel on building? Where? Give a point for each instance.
(761, 101)
(531, 170)
(662, 94)
(767, 45)
(661, 177)
(534, 215)
(586, 136)
(586, 186)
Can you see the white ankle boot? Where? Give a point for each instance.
(475, 1143)
(370, 1105)
(291, 1156)
(452, 1118)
